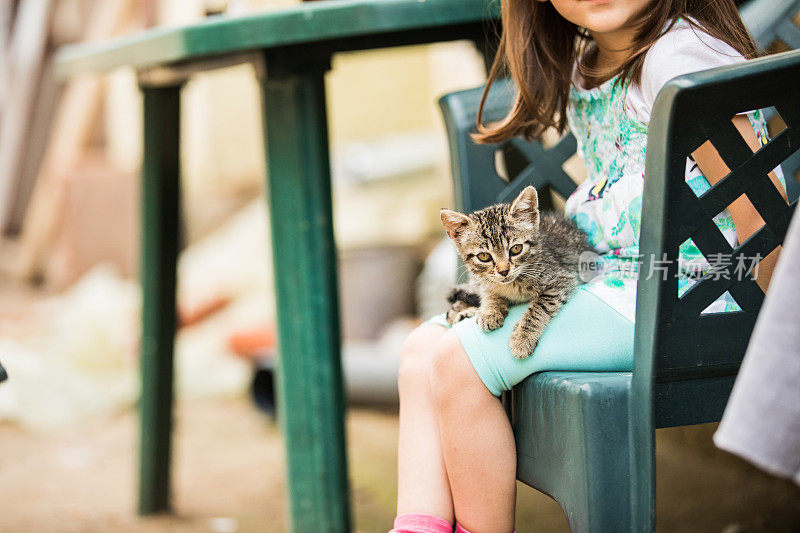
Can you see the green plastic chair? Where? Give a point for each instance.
(588, 438)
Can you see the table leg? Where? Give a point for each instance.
(160, 220)
(310, 402)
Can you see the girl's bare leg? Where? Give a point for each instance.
(422, 480)
(477, 442)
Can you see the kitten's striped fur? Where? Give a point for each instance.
(543, 272)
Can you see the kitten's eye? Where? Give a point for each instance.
(515, 250)
(484, 256)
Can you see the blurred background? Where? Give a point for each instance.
(70, 300)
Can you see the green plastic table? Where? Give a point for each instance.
(292, 50)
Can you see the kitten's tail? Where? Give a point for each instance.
(463, 293)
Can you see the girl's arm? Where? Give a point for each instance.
(745, 217)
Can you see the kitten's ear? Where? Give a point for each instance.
(454, 222)
(525, 207)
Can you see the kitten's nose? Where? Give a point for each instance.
(503, 272)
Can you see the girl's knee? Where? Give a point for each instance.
(452, 374)
(416, 358)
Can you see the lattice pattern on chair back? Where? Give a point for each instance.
(688, 112)
(476, 180)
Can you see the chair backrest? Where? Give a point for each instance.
(674, 340)
(476, 179)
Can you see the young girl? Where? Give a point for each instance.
(596, 66)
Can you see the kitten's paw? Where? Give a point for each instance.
(489, 320)
(523, 343)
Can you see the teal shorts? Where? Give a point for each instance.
(586, 335)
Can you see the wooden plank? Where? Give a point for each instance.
(297, 25)
(47, 96)
(72, 126)
(26, 55)
(6, 12)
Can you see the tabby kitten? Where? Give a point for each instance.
(514, 255)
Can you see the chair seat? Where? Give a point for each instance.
(573, 443)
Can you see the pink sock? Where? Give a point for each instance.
(421, 523)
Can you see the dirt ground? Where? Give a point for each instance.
(229, 476)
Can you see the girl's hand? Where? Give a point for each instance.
(745, 217)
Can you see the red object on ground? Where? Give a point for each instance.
(253, 343)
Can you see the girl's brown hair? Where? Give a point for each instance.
(539, 49)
